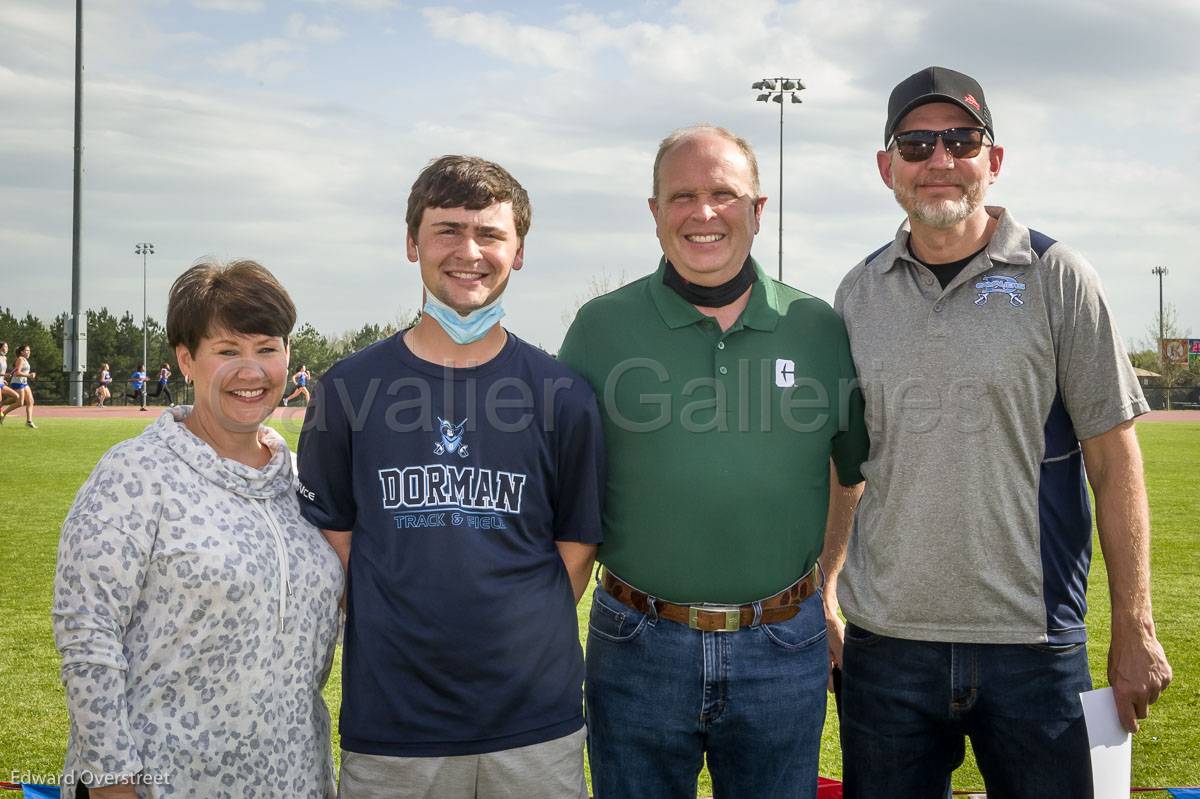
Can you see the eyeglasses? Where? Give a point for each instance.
(918, 145)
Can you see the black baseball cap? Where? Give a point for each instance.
(937, 85)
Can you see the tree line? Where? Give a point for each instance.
(117, 341)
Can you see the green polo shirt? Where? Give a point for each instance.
(718, 442)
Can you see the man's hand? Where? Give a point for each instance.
(838, 525)
(1138, 671)
(122, 790)
(835, 629)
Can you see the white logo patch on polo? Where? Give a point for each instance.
(1001, 284)
(785, 373)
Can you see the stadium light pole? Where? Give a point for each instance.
(76, 332)
(1162, 335)
(144, 249)
(772, 90)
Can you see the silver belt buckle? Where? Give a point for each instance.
(733, 617)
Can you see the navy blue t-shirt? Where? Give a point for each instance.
(461, 634)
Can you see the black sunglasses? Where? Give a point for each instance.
(918, 145)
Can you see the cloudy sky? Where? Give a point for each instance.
(290, 132)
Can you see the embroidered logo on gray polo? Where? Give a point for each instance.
(1001, 284)
(452, 435)
(785, 373)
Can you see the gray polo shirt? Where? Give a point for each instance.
(975, 525)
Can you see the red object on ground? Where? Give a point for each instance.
(828, 789)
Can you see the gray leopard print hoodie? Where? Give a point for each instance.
(196, 614)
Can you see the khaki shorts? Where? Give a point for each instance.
(550, 770)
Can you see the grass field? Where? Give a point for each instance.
(44, 469)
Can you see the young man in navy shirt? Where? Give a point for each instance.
(457, 470)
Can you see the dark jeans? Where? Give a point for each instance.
(908, 705)
(661, 697)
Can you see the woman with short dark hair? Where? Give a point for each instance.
(194, 608)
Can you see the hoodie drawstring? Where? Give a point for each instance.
(281, 556)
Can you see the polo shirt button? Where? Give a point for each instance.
(937, 308)
(720, 345)
(723, 370)
(928, 281)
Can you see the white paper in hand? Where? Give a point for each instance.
(1111, 743)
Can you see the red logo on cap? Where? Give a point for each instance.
(971, 101)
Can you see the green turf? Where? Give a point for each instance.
(45, 467)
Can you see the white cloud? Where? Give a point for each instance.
(529, 45)
(276, 57)
(698, 42)
(235, 6)
(40, 37)
(25, 24)
(365, 5)
(299, 27)
(265, 59)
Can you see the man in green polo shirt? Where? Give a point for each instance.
(726, 397)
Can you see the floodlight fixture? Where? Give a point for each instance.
(786, 85)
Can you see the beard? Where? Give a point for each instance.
(940, 214)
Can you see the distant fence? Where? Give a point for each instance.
(1182, 397)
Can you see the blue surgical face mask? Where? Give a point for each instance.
(463, 329)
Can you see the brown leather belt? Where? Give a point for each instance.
(716, 618)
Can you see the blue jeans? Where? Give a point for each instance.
(661, 696)
(908, 705)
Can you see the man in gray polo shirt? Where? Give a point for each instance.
(993, 374)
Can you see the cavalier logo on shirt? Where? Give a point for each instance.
(452, 435)
(1001, 284)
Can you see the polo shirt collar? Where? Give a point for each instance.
(1009, 243)
(761, 311)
